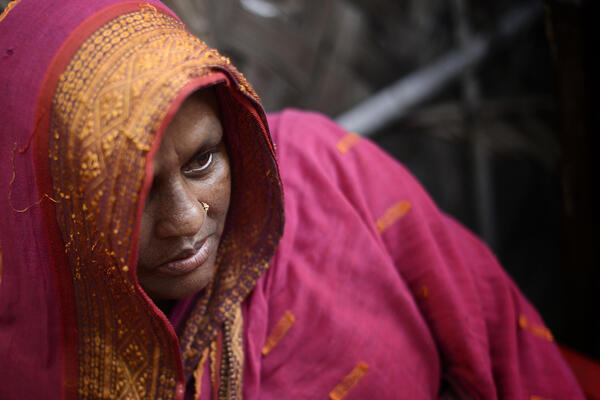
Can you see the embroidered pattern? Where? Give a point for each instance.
(109, 103)
(198, 374)
(9, 7)
(394, 213)
(278, 332)
(232, 360)
(349, 382)
(214, 365)
(536, 329)
(105, 110)
(347, 142)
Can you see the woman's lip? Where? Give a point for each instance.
(186, 265)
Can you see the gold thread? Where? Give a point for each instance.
(535, 329)
(199, 373)
(542, 332)
(238, 352)
(214, 373)
(40, 118)
(523, 321)
(104, 114)
(233, 353)
(146, 7)
(349, 382)
(392, 214)
(109, 102)
(155, 368)
(9, 7)
(278, 332)
(10, 184)
(130, 381)
(347, 142)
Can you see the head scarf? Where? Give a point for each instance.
(88, 88)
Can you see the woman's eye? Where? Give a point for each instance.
(199, 163)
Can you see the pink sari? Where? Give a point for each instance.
(371, 292)
(374, 293)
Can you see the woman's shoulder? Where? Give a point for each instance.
(289, 124)
(304, 136)
(310, 143)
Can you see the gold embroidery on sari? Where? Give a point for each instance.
(199, 373)
(349, 382)
(535, 329)
(109, 102)
(214, 366)
(278, 332)
(232, 358)
(9, 7)
(347, 142)
(393, 214)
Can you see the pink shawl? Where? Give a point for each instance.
(376, 294)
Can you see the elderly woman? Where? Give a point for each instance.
(144, 253)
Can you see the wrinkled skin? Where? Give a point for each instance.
(178, 239)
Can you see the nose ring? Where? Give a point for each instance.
(205, 206)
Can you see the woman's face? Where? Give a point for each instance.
(178, 238)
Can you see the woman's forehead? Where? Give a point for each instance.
(197, 111)
(195, 125)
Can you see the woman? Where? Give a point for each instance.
(149, 258)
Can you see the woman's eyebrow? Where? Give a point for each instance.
(208, 141)
(209, 128)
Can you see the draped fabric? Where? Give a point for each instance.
(375, 293)
(369, 291)
(89, 88)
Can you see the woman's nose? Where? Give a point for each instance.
(179, 212)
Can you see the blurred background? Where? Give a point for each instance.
(489, 104)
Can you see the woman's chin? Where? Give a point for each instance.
(178, 287)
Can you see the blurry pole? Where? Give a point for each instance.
(479, 155)
(396, 100)
(463, 35)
